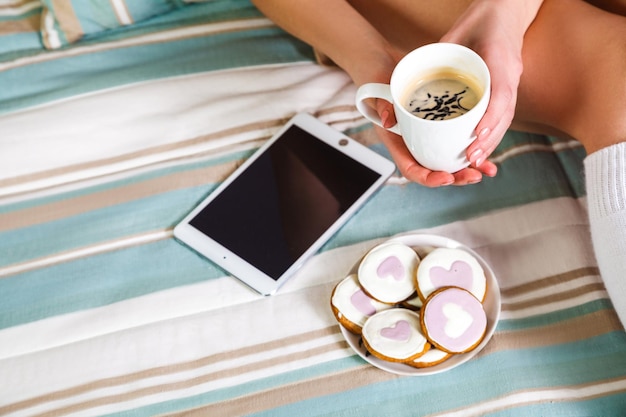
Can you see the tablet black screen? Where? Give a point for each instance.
(286, 199)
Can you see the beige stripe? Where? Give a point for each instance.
(181, 367)
(577, 329)
(186, 32)
(107, 198)
(527, 397)
(189, 383)
(550, 281)
(554, 298)
(85, 251)
(138, 154)
(10, 4)
(580, 328)
(67, 20)
(28, 24)
(54, 211)
(18, 8)
(301, 391)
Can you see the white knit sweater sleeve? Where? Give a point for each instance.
(605, 172)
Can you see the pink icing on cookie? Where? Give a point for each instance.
(459, 275)
(362, 303)
(454, 319)
(451, 267)
(391, 266)
(387, 272)
(400, 332)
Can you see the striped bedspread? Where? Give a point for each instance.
(108, 142)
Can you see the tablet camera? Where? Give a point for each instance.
(343, 142)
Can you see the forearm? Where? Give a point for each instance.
(509, 19)
(336, 29)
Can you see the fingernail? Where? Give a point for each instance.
(484, 132)
(475, 156)
(479, 161)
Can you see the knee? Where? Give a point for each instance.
(600, 115)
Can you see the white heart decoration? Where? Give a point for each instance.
(458, 320)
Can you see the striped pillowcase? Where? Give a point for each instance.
(65, 22)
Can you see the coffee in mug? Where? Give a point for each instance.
(441, 95)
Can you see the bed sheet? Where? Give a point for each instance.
(107, 143)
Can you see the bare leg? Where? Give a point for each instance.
(613, 6)
(575, 73)
(574, 79)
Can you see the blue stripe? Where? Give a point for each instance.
(142, 10)
(25, 41)
(398, 208)
(395, 207)
(482, 379)
(93, 15)
(257, 385)
(100, 280)
(72, 75)
(609, 406)
(555, 316)
(106, 69)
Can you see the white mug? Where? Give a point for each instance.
(439, 145)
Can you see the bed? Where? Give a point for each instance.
(116, 118)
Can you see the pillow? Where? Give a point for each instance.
(64, 22)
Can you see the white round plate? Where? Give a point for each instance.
(491, 305)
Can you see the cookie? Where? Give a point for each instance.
(352, 306)
(395, 335)
(412, 303)
(387, 272)
(444, 267)
(433, 357)
(453, 320)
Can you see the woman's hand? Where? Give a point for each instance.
(495, 30)
(412, 170)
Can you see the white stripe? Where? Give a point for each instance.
(16, 8)
(121, 12)
(570, 393)
(200, 30)
(536, 147)
(52, 34)
(255, 362)
(324, 269)
(86, 251)
(198, 105)
(557, 288)
(189, 322)
(193, 320)
(554, 306)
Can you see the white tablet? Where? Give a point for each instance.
(284, 202)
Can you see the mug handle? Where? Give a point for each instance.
(374, 90)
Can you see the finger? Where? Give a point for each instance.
(484, 145)
(386, 113)
(467, 176)
(408, 166)
(500, 110)
(488, 168)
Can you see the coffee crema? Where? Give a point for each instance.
(442, 95)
